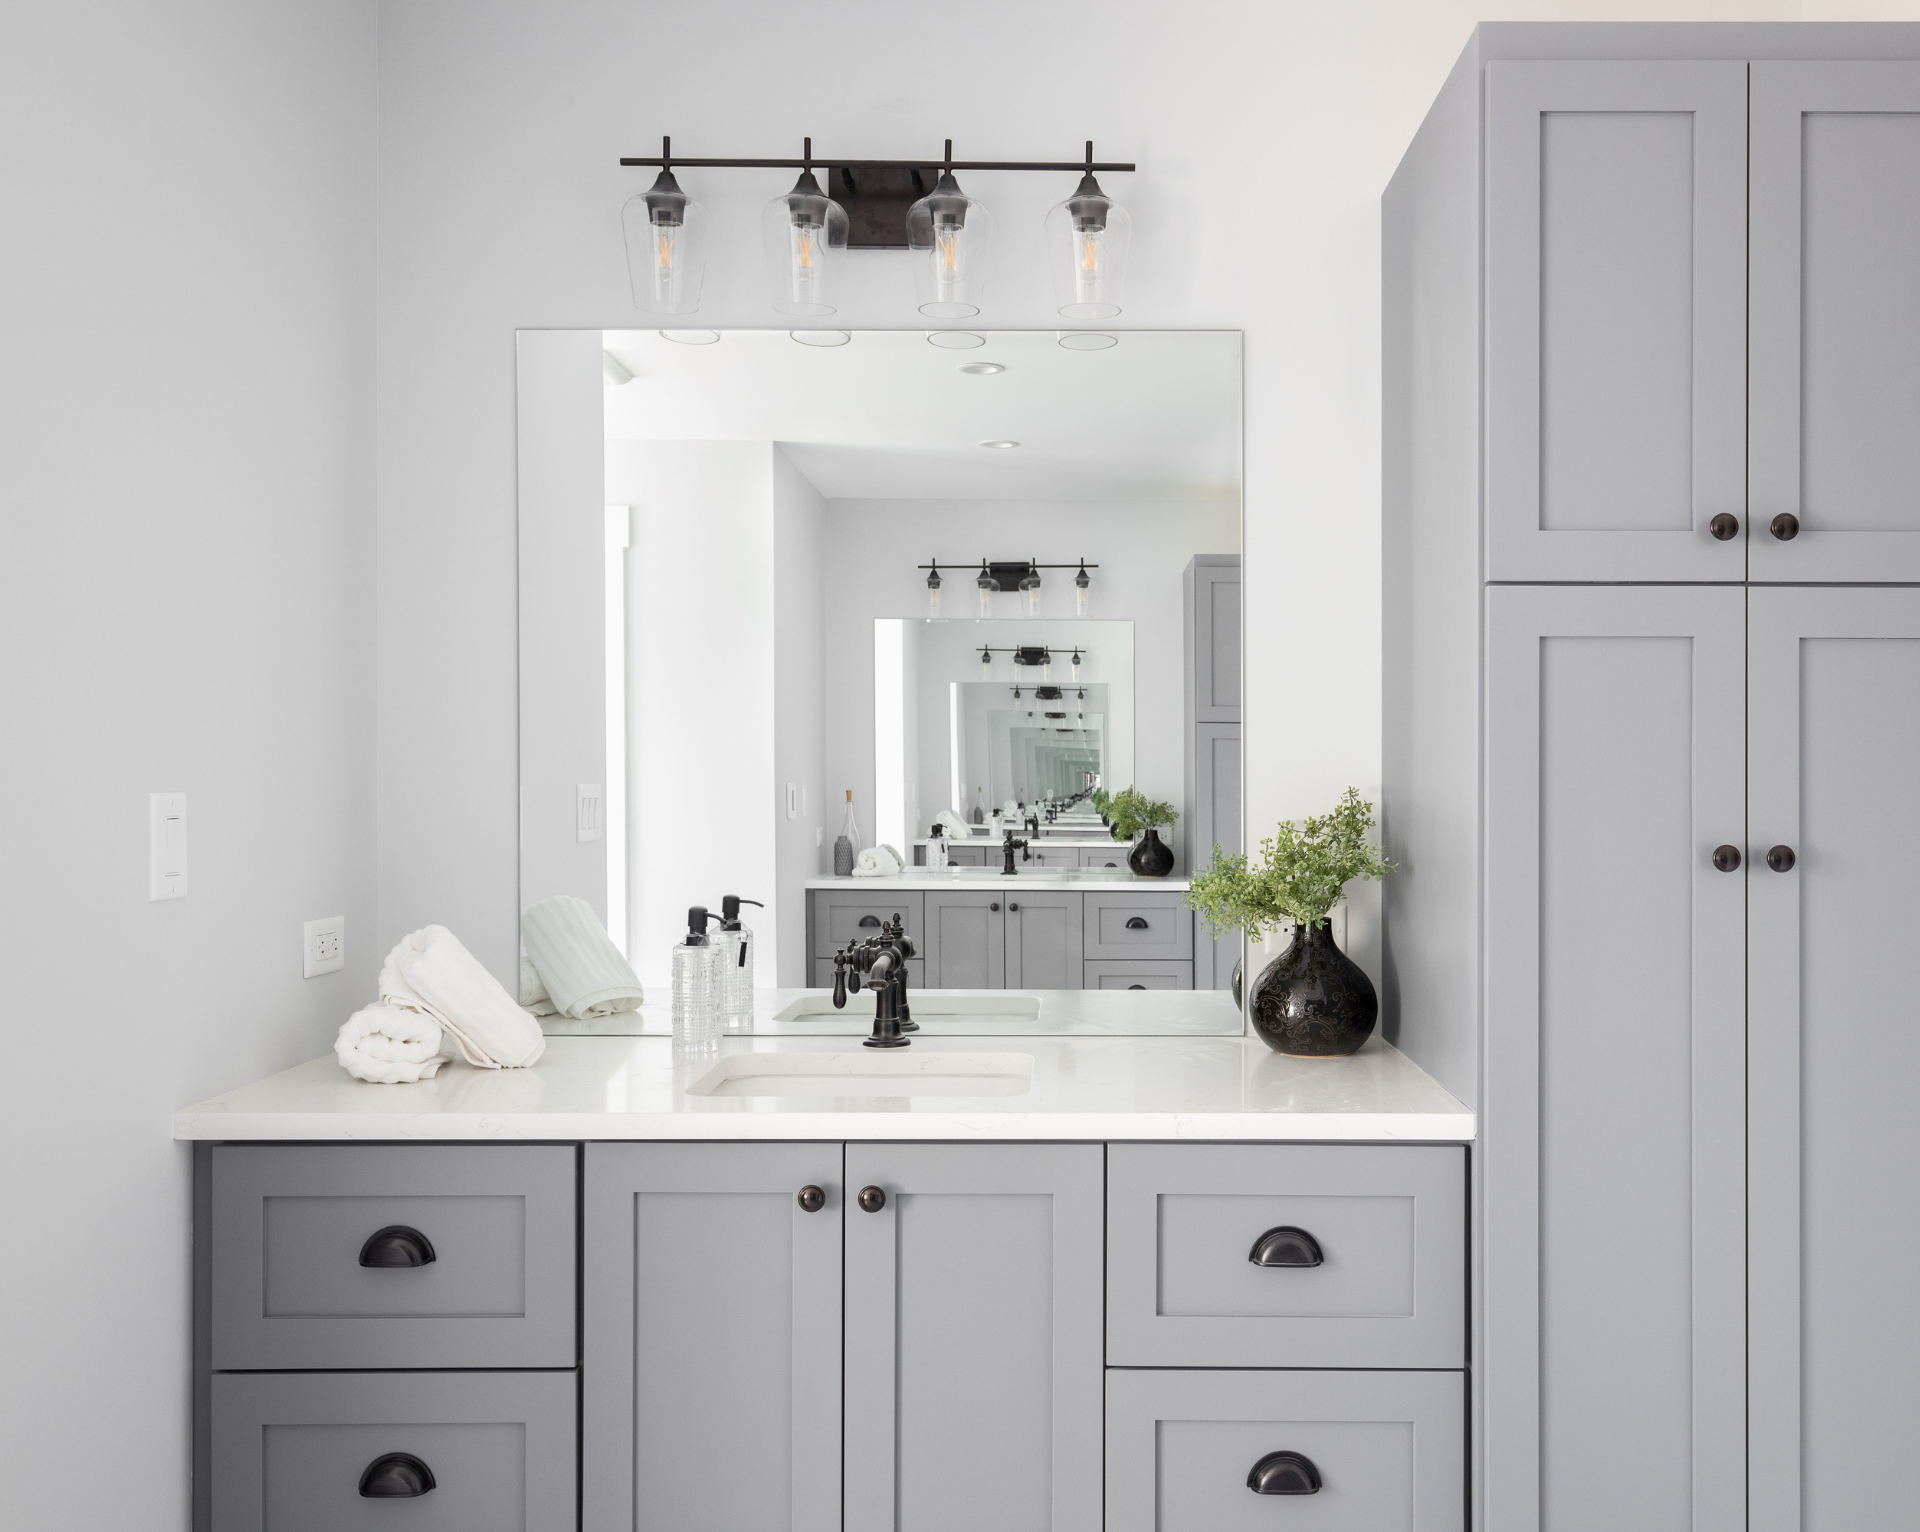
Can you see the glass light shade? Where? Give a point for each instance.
(1046, 667)
(1030, 588)
(1087, 239)
(933, 594)
(666, 247)
(986, 585)
(986, 662)
(1076, 665)
(1082, 582)
(949, 234)
(805, 234)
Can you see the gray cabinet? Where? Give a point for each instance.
(489, 1451)
(1616, 318)
(711, 1376)
(1102, 856)
(1387, 1449)
(1130, 925)
(1834, 721)
(966, 941)
(1043, 940)
(973, 1348)
(1835, 381)
(1136, 973)
(1211, 740)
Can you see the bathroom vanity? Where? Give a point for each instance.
(1038, 1282)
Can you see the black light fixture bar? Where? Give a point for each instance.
(667, 159)
(1023, 564)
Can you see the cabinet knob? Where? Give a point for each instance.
(995, 906)
(1727, 858)
(397, 1476)
(870, 920)
(1135, 923)
(1785, 526)
(1724, 527)
(397, 1245)
(872, 1199)
(812, 1199)
(1284, 1473)
(1012, 908)
(1781, 858)
(1286, 1246)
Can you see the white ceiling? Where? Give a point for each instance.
(890, 416)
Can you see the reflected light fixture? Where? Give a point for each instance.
(950, 235)
(986, 661)
(1030, 588)
(666, 238)
(933, 590)
(805, 234)
(1076, 667)
(1081, 583)
(1087, 239)
(986, 585)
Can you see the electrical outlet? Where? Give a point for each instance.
(325, 946)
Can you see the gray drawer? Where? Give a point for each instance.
(289, 1450)
(1100, 856)
(1137, 925)
(1138, 973)
(290, 1223)
(967, 856)
(836, 915)
(823, 979)
(1389, 1220)
(1389, 1449)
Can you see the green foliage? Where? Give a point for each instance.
(1132, 812)
(1100, 798)
(1303, 872)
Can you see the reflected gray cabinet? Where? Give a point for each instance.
(973, 1344)
(711, 1366)
(1834, 742)
(1009, 938)
(1211, 739)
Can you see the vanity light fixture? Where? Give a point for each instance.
(1087, 239)
(1076, 667)
(1030, 588)
(933, 591)
(986, 585)
(1082, 582)
(666, 236)
(805, 233)
(986, 661)
(1024, 575)
(982, 369)
(950, 235)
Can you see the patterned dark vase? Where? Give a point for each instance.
(1313, 1001)
(1151, 857)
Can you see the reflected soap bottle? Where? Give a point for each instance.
(733, 960)
(848, 845)
(696, 986)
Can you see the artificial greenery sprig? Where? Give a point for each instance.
(1132, 812)
(1303, 872)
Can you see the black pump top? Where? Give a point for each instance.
(697, 918)
(730, 911)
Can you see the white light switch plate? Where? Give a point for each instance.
(325, 946)
(589, 811)
(167, 846)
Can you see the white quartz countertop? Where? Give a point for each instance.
(1084, 879)
(641, 1088)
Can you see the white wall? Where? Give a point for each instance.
(800, 721)
(186, 495)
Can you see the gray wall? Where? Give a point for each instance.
(186, 485)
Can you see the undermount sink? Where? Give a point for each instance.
(927, 1003)
(843, 1075)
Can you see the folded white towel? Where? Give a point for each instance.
(954, 821)
(533, 994)
(581, 970)
(389, 1046)
(430, 972)
(877, 862)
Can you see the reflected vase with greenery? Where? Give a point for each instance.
(1131, 812)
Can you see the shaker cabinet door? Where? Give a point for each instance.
(1616, 314)
(1043, 940)
(1613, 1294)
(966, 941)
(1836, 321)
(1833, 1056)
(973, 1352)
(711, 1348)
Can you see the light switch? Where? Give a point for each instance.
(167, 846)
(589, 813)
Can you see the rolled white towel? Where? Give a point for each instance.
(390, 1047)
(533, 994)
(430, 972)
(579, 967)
(954, 821)
(877, 862)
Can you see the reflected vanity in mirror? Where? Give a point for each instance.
(874, 632)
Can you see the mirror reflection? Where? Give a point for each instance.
(934, 652)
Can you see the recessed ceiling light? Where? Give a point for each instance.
(983, 369)
(821, 337)
(691, 337)
(955, 340)
(999, 446)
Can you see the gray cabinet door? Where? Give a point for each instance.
(1389, 1449)
(1213, 637)
(1616, 317)
(1213, 820)
(1043, 940)
(1835, 383)
(289, 1450)
(711, 1345)
(1834, 697)
(1613, 1296)
(973, 1360)
(966, 940)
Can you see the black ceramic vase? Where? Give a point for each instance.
(1151, 857)
(1313, 1001)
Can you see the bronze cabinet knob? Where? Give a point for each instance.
(1781, 858)
(872, 1199)
(1727, 858)
(812, 1199)
(1785, 526)
(1724, 527)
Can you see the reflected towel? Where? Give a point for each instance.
(430, 972)
(390, 1047)
(578, 966)
(877, 862)
(533, 994)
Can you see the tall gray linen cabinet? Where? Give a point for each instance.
(1652, 743)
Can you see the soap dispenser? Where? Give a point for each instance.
(696, 985)
(733, 956)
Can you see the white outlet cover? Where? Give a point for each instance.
(324, 948)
